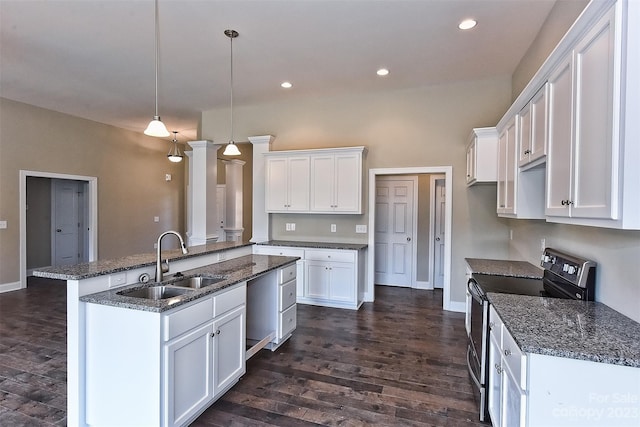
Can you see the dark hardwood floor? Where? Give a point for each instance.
(397, 362)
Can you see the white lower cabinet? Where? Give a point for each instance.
(327, 277)
(534, 390)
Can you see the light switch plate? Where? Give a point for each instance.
(333, 228)
(118, 279)
(3, 224)
(361, 228)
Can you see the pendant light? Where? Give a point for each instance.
(156, 127)
(174, 153)
(231, 148)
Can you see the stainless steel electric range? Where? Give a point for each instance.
(565, 276)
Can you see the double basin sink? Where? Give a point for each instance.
(172, 288)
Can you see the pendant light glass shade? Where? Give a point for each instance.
(156, 127)
(174, 153)
(231, 148)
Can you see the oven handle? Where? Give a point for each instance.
(475, 291)
(473, 376)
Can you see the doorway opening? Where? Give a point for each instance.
(80, 193)
(445, 176)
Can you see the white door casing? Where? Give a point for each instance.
(438, 196)
(369, 294)
(395, 230)
(91, 222)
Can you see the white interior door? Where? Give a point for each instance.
(439, 233)
(394, 230)
(65, 222)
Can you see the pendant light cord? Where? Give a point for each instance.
(231, 80)
(156, 33)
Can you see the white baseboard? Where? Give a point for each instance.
(459, 306)
(421, 284)
(8, 287)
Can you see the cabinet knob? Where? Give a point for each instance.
(498, 369)
(491, 325)
(507, 352)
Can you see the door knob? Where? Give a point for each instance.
(59, 230)
(437, 239)
(408, 239)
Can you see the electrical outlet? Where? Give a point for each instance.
(3, 224)
(333, 228)
(361, 228)
(167, 177)
(287, 227)
(156, 219)
(543, 244)
(293, 226)
(511, 234)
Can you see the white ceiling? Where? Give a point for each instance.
(95, 58)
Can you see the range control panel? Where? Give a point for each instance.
(569, 267)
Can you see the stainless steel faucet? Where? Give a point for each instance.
(161, 267)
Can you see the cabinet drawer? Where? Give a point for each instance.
(277, 250)
(514, 359)
(189, 317)
(229, 300)
(287, 295)
(287, 321)
(337, 256)
(287, 273)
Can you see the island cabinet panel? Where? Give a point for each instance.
(163, 368)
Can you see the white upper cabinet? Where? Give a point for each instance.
(336, 182)
(507, 169)
(592, 106)
(287, 183)
(533, 131)
(314, 181)
(482, 151)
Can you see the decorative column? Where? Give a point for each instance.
(233, 200)
(260, 224)
(202, 221)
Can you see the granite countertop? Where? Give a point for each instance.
(569, 328)
(102, 267)
(497, 267)
(316, 245)
(234, 270)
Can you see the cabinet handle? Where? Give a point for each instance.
(213, 334)
(507, 352)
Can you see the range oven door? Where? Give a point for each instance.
(477, 351)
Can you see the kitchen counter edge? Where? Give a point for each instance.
(498, 267)
(110, 266)
(236, 270)
(572, 329)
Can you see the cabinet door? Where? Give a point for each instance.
(316, 280)
(189, 377)
(495, 381)
(323, 183)
(512, 169)
(276, 184)
(525, 118)
(229, 349)
(298, 184)
(342, 286)
(538, 143)
(502, 171)
(594, 191)
(560, 141)
(513, 401)
(471, 164)
(348, 183)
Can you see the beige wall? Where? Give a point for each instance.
(427, 126)
(616, 252)
(130, 168)
(561, 17)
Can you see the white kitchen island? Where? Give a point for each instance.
(92, 283)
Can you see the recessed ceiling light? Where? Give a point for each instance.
(382, 72)
(467, 24)
(286, 85)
